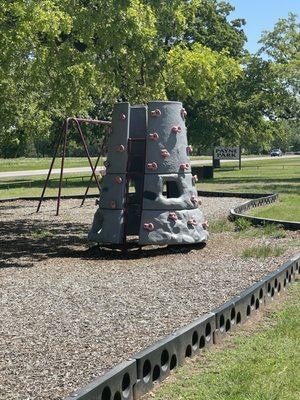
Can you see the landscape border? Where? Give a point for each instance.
(239, 212)
(135, 377)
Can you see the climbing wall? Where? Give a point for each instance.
(148, 190)
(108, 224)
(171, 213)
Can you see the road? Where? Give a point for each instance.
(75, 170)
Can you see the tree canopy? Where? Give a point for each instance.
(78, 57)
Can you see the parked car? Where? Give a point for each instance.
(276, 153)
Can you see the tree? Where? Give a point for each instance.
(78, 57)
(282, 46)
(209, 26)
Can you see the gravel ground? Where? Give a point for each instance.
(69, 313)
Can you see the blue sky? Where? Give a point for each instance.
(261, 15)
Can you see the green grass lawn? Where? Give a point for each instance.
(29, 164)
(288, 208)
(259, 362)
(32, 186)
(263, 176)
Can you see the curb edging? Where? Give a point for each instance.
(238, 212)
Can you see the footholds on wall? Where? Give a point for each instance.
(148, 226)
(183, 113)
(156, 113)
(164, 153)
(194, 199)
(176, 129)
(153, 136)
(192, 221)
(120, 148)
(189, 149)
(205, 225)
(184, 166)
(173, 216)
(118, 179)
(152, 166)
(195, 178)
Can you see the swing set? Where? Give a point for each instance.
(62, 139)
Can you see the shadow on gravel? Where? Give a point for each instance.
(96, 252)
(25, 242)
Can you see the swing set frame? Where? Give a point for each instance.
(63, 139)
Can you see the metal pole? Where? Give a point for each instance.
(98, 159)
(240, 159)
(62, 166)
(87, 152)
(51, 167)
(93, 121)
(90, 181)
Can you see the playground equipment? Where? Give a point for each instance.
(148, 192)
(62, 139)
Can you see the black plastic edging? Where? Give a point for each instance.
(135, 377)
(116, 384)
(242, 195)
(238, 212)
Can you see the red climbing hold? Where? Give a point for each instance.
(154, 136)
(156, 113)
(176, 129)
(152, 166)
(148, 226)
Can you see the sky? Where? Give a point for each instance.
(261, 15)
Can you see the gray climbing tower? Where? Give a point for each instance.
(148, 191)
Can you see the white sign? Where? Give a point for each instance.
(227, 153)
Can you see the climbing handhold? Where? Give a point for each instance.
(156, 113)
(195, 178)
(176, 129)
(118, 179)
(183, 112)
(173, 216)
(164, 153)
(152, 166)
(153, 136)
(194, 199)
(192, 221)
(120, 148)
(184, 166)
(148, 226)
(205, 225)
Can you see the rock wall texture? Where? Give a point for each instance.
(148, 189)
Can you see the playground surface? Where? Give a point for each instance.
(70, 313)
